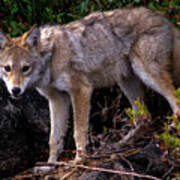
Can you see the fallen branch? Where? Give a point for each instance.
(133, 132)
(67, 175)
(25, 176)
(97, 169)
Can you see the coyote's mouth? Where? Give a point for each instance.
(16, 96)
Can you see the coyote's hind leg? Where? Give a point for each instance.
(157, 78)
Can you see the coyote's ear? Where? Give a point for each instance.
(32, 37)
(3, 40)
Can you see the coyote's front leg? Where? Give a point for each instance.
(81, 94)
(59, 113)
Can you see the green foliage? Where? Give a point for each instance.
(137, 115)
(175, 122)
(105, 129)
(177, 94)
(130, 114)
(142, 110)
(17, 16)
(170, 140)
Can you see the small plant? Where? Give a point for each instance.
(170, 138)
(130, 114)
(176, 123)
(139, 114)
(169, 141)
(177, 94)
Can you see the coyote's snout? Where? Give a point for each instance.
(127, 47)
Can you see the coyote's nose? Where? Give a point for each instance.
(16, 91)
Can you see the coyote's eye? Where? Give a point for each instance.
(7, 68)
(25, 68)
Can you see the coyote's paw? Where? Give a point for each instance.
(43, 169)
(81, 158)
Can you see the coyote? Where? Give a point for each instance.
(128, 47)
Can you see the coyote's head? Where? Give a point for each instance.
(20, 61)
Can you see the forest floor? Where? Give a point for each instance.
(144, 156)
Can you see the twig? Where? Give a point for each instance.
(132, 133)
(67, 175)
(25, 176)
(168, 172)
(97, 169)
(128, 162)
(128, 153)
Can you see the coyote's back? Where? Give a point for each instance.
(101, 44)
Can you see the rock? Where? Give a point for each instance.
(24, 129)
